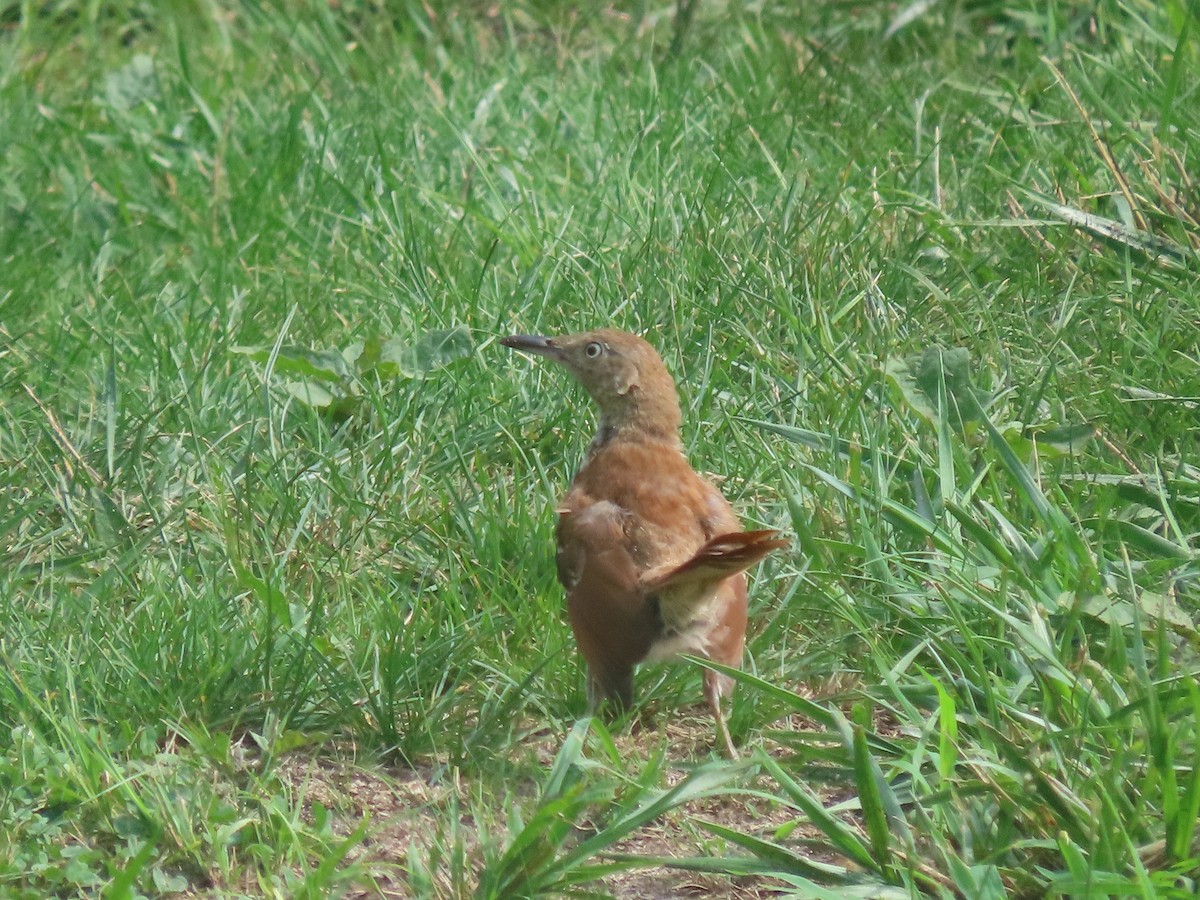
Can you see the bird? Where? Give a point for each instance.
(650, 554)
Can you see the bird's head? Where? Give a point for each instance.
(620, 371)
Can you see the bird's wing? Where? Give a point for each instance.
(613, 622)
(593, 534)
(715, 515)
(573, 538)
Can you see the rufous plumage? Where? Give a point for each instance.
(651, 555)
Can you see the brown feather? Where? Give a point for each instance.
(721, 557)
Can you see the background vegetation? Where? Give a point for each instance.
(926, 275)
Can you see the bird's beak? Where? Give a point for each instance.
(533, 343)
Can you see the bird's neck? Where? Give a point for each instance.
(641, 419)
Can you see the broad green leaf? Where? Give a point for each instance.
(132, 84)
(1145, 540)
(1050, 442)
(1150, 607)
(309, 393)
(366, 354)
(947, 731)
(1065, 439)
(980, 882)
(920, 376)
(353, 354)
(429, 352)
(327, 365)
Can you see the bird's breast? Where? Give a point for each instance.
(670, 509)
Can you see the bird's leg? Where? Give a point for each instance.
(715, 687)
(615, 686)
(596, 694)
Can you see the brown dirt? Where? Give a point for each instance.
(408, 806)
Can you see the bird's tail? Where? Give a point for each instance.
(724, 555)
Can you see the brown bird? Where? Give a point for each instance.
(651, 555)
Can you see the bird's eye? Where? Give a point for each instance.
(594, 349)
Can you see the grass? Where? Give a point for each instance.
(976, 675)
